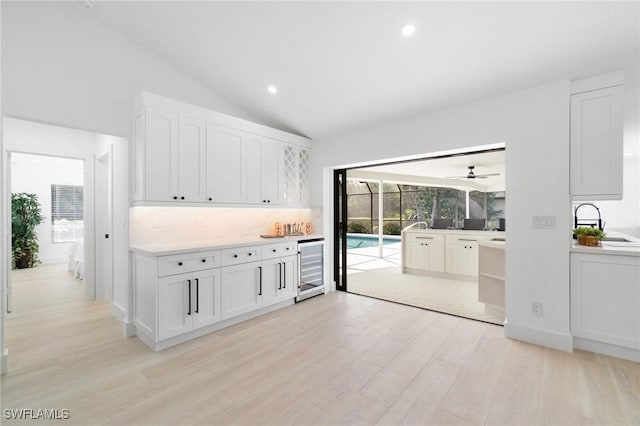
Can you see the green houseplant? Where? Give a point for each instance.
(588, 236)
(26, 215)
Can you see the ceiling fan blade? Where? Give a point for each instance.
(457, 177)
(484, 175)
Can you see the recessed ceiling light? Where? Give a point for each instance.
(409, 29)
(272, 89)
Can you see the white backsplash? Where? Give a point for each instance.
(169, 224)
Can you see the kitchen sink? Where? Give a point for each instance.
(616, 239)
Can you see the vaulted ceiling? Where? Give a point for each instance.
(341, 66)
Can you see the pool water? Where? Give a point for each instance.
(362, 241)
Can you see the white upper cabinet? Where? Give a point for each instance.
(187, 154)
(192, 159)
(226, 169)
(169, 157)
(596, 143)
(297, 171)
(160, 154)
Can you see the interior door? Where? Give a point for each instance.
(104, 221)
(340, 228)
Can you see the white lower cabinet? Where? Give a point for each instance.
(179, 297)
(241, 289)
(425, 253)
(605, 299)
(462, 259)
(187, 302)
(278, 280)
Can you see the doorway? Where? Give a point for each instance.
(48, 190)
(383, 207)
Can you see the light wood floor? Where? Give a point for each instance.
(334, 359)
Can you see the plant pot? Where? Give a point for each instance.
(25, 261)
(588, 240)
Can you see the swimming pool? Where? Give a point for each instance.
(365, 240)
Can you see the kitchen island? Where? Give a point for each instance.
(448, 253)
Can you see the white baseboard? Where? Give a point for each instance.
(4, 362)
(563, 342)
(119, 312)
(606, 349)
(157, 346)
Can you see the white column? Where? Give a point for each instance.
(466, 209)
(380, 218)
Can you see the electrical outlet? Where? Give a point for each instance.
(536, 309)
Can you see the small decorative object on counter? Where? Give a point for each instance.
(588, 236)
(277, 228)
(308, 228)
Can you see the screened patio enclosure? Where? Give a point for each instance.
(377, 211)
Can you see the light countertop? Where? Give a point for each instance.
(615, 248)
(456, 231)
(179, 247)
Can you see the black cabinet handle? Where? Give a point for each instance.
(250, 253)
(284, 266)
(175, 198)
(210, 198)
(179, 263)
(260, 292)
(197, 295)
(287, 248)
(204, 260)
(274, 250)
(235, 255)
(268, 201)
(264, 201)
(279, 276)
(182, 198)
(189, 286)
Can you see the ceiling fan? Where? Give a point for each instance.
(472, 175)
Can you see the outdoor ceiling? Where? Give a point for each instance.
(438, 170)
(345, 65)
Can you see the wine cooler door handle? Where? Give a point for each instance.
(260, 292)
(197, 295)
(189, 287)
(279, 276)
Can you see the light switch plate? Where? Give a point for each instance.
(544, 222)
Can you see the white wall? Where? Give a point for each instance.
(62, 66)
(35, 174)
(534, 124)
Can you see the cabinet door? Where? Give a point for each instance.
(304, 176)
(434, 257)
(272, 179)
(596, 144)
(271, 281)
(206, 298)
(289, 277)
(173, 306)
(416, 255)
(462, 259)
(192, 160)
(253, 164)
(605, 299)
(226, 171)
(161, 153)
(240, 289)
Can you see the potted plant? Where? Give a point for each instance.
(589, 236)
(26, 215)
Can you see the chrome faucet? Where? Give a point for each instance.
(586, 222)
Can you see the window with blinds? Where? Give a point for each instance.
(67, 213)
